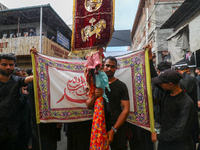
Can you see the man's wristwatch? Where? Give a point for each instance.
(115, 130)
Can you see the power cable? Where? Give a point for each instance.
(162, 44)
(156, 22)
(188, 12)
(154, 10)
(120, 39)
(68, 19)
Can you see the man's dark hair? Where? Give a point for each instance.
(8, 57)
(163, 65)
(198, 68)
(22, 69)
(111, 58)
(16, 69)
(29, 71)
(12, 54)
(183, 68)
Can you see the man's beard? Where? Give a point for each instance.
(3, 72)
(110, 75)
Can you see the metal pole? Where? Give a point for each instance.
(39, 138)
(18, 25)
(147, 25)
(195, 58)
(41, 30)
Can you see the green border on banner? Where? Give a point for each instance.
(35, 89)
(149, 90)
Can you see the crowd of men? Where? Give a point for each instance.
(29, 34)
(175, 92)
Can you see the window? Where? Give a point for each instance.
(4, 34)
(149, 24)
(144, 33)
(174, 8)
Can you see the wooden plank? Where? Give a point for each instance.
(22, 45)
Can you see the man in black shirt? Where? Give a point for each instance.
(119, 106)
(197, 71)
(9, 101)
(157, 93)
(190, 85)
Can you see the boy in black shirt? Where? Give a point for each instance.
(177, 114)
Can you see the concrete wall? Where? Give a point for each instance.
(162, 13)
(164, 10)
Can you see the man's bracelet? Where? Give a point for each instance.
(115, 130)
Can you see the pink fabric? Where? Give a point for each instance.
(95, 59)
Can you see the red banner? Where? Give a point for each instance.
(93, 25)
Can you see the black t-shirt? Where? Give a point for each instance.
(118, 92)
(198, 78)
(9, 104)
(177, 118)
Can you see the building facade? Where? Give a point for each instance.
(151, 14)
(184, 43)
(17, 24)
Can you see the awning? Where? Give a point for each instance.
(194, 28)
(178, 44)
(176, 32)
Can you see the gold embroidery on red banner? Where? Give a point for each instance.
(93, 5)
(88, 31)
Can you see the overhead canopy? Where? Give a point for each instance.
(175, 33)
(181, 48)
(32, 14)
(194, 29)
(178, 44)
(186, 37)
(120, 38)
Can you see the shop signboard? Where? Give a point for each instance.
(61, 39)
